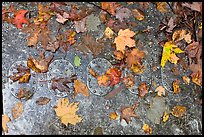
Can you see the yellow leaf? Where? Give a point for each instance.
(178, 50)
(165, 117)
(160, 91)
(186, 79)
(108, 33)
(103, 80)
(113, 116)
(147, 129)
(80, 87)
(67, 112)
(178, 111)
(161, 6)
(5, 120)
(176, 87)
(136, 69)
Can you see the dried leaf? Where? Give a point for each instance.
(143, 90)
(77, 61)
(176, 86)
(67, 112)
(128, 81)
(103, 16)
(80, 87)
(110, 7)
(160, 91)
(114, 92)
(178, 111)
(80, 26)
(23, 93)
(186, 79)
(138, 14)
(181, 34)
(113, 116)
(43, 101)
(98, 131)
(103, 80)
(33, 38)
(23, 74)
(124, 39)
(161, 6)
(108, 33)
(173, 58)
(128, 112)
(92, 72)
(5, 120)
(165, 117)
(147, 129)
(193, 49)
(17, 110)
(40, 65)
(122, 13)
(171, 25)
(114, 76)
(197, 6)
(196, 75)
(118, 55)
(20, 19)
(62, 19)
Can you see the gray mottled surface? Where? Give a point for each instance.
(95, 109)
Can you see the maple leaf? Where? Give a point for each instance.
(110, 7)
(124, 39)
(143, 90)
(178, 111)
(40, 65)
(67, 112)
(128, 112)
(176, 86)
(5, 120)
(19, 18)
(147, 129)
(122, 13)
(23, 74)
(61, 83)
(80, 87)
(17, 110)
(138, 14)
(43, 101)
(103, 80)
(114, 74)
(181, 34)
(160, 91)
(113, 115)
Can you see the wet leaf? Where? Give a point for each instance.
(161, 6)
(114, 76)
(67, 112)
(113, 116)
(23, 74)
(128, 112)
(19, 18)
(178, 111)
(77, 61)
(40, 65)
(147, 129)
(142, 88)
(108, 33)
(165, 116)
(160, 91)
(80, 87)
(5, 120)
(103, 80)
(61, 83)
(17, 110)
(122, 14)
(181, 34)
(176, 88)
(110, 7)
(43, 101)
(124, 39)
(186, 79)
(138, 14)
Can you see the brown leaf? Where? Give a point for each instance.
(43, 101)
(103, 16)
(171, 25)
(92, 72)
(62, 19)
(176, 86)
(40, 65)
(122, 14)
(80, 87)
(138, 14)
(128, 112)
(23, 93)
(196, 75)
(181, 34)
(17, 110)
(118, 55)
(178, 111)
(33, 38)
(144, 5)
(128, 81)
(197, 6)
(186, 79)
(193, 49)
(110, 7)
(161, 6)
(160, 91)
(5, 120)
(143, 90)
(23, 74)
(80, 26)
(114, 92)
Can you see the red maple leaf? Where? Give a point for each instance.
(114, 75)
(20, 19)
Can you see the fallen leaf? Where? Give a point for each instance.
(114, 92)
(40, 65)
(23, 74)
(5, 120)
(138, 14)
(144, 5)
(69, 41)
(23, 93)
(143, 90)
(186, 79)
(181, 34)
(77, 61)
(193, 50)
(33, 38)
(128, 112)
(118, 55)
(43, 101)
(128, 81)
(171, 25)
(122, 14)
(61, 83)
(80, 26)
(103, 80)
(67, 112)
(20, 19)
(113, 116)
(147, 129)
(103, 16)
(160, 91)
(62, 19)
(196, 75)
(92, 72)
(17, 110)
(80, 87)
(165, 116)
(108, 33)
(173, 58)
(110, 7)
(124, 39)
(114, 76)
(178, 111)
(176, 88)
(161, 6)
(197, 6)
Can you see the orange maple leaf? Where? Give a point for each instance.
(19, 18)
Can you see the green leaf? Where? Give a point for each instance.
(77, 61)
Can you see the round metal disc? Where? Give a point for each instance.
(100, 66)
